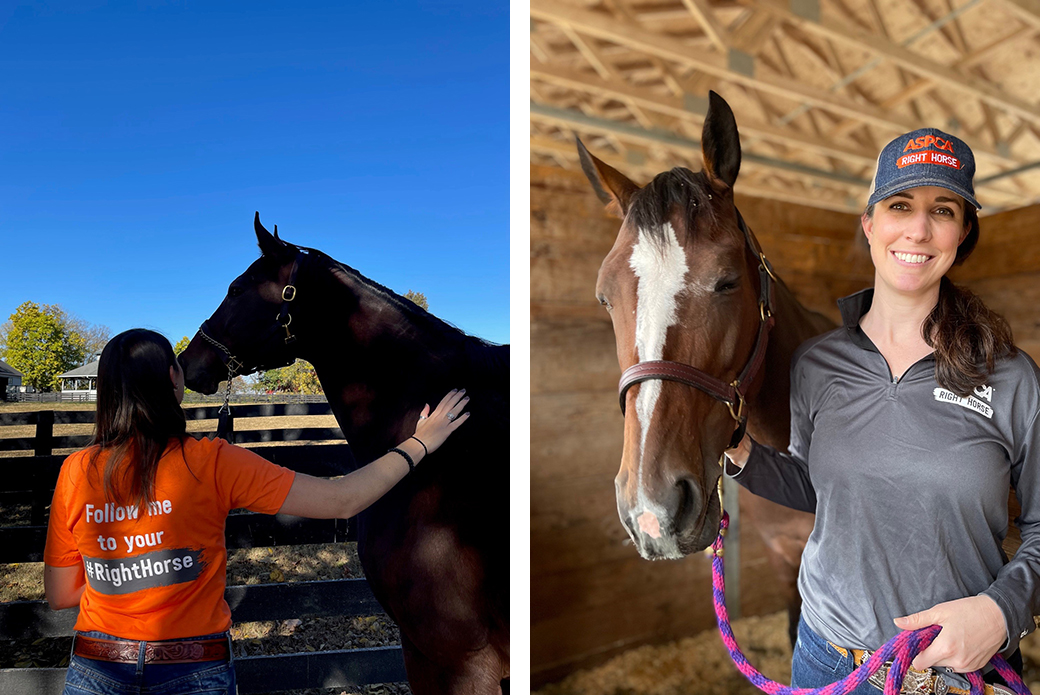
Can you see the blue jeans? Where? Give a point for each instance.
(95, 677)
(816, 663)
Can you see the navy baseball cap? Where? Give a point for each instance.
(925, 157)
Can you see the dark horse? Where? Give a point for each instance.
(435, 548)
(683, 283)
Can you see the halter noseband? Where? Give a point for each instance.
(734, 394)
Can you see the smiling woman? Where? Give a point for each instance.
(907, 426)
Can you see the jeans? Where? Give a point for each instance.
(95, 677)
(816, 663)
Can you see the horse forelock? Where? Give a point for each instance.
(680, 197)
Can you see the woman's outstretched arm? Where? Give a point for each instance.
(342, 498)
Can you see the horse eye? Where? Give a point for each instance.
(726, 286)
(604, 302)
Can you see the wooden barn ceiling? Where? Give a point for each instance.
(818, 87)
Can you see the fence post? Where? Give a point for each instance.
(44, 447)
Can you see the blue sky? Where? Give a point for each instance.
(138, 138)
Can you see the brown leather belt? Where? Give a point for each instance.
(166, 652)
(916, 682)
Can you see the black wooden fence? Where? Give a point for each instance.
(30, 479)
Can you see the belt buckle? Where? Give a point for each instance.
(914, 683)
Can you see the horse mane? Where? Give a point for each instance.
(689, 192)
(479, 353)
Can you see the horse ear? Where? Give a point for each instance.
(270, 245)
(611, 186)
(720, 141)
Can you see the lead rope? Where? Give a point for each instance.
(901, 649)
(225, 420)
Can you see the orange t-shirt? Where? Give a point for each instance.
(159, 572)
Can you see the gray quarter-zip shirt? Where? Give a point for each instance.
(909, 483)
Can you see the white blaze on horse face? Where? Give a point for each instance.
(659, 263)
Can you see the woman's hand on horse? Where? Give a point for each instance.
(738, 455)
(433, 428)
(973, 630)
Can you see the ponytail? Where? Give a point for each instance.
(968, 337)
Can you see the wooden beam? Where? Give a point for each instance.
(700, 10)
(913, 62)
(589, 53)
(1026, 10)
(572, 119)
(693, 109)
(604, 27)
(981, 54)
(648, 169)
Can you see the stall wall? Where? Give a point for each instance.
(592, 596)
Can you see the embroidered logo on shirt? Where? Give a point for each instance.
(969, 402)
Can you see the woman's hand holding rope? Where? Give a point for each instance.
(973, 630)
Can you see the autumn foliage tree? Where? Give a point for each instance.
(298, 377)
(419, 298)
(40, 344)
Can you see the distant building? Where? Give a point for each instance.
(80, 383)
(10, 381)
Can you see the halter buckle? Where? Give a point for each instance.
(765, 265)
(292, 295)
(764, 311)
(738, 415)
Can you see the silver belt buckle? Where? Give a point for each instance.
(915, 683)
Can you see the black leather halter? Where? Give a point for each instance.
(734, 394)
(236, 365)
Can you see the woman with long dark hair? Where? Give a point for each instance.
(908, 425)
(136, 531)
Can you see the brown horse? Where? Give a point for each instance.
(435, 549)
(683, 283)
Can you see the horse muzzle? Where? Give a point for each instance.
(674, 523)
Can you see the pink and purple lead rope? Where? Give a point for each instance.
(901, 650)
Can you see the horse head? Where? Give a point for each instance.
(254, 327)
(681, 284)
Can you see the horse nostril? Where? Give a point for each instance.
(690, 503)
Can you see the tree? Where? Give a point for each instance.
(181, 345)
(41, 345)
(298, 377)
(419, 298)
(95, 336)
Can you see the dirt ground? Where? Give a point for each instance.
(24, 581)
(702, 665)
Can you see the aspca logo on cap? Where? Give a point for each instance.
(927, 141)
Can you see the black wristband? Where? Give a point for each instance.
(426, 452)
(407, 458)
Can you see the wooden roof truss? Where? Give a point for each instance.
(817, 86)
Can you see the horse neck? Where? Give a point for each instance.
(375, 362)
(770, 415)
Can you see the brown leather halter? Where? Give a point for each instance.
(734, 395)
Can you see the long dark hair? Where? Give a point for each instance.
(968, 337)
(137, 414)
